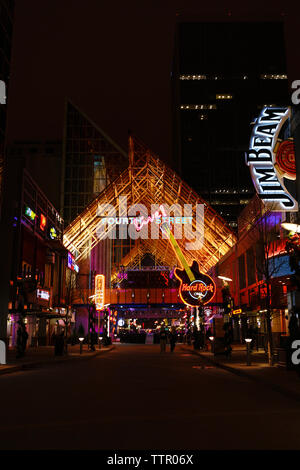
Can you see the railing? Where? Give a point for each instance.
(130, 296)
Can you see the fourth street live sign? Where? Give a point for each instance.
(271, 159)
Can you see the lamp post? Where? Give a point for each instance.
(248, 342)
(212, 344)
(99, 338)
(81, 341)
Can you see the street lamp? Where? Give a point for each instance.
(81, 340)
(212, 339)
(248, 342)
(228, 279)
(291, 227)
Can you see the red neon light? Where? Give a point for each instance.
(149, 219)
(43, 222)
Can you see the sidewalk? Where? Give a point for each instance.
(44, 355)
(279, 379)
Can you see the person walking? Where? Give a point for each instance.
(19, 341)
(173, 339)
(24, 338)
(163, 340)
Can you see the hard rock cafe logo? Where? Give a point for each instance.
(196, 288)
(271, 159)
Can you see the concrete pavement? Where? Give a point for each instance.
(278, 378)
(44, 356)
(137, 398)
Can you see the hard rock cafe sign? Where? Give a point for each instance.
(271, 159)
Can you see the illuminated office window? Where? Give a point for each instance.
(224, 97)
(198, 106)
(273, 76)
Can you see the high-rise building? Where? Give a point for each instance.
(6, 26)
(222, 76)
(6, 204)
(42, 159)
(91, 160)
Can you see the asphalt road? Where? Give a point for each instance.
(136, 398)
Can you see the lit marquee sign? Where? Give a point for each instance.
(99, 291)
(43, 294)
(271, 160)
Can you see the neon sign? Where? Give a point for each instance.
(43, 222)
(156, 217)
(99, 291)
(268, 166)
(29, 212)
(195, 288)
(52, 233)
(71, 263)
(43, 294)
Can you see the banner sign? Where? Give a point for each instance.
(99, 291)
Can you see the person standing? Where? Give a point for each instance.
(24, 338)
(173, 339)
(163, 339)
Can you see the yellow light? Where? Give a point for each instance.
(291, 227)
(99, 291)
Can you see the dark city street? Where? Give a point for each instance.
(149, 230)
(134, 397)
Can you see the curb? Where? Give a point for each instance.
(38, 364)
(241, 373)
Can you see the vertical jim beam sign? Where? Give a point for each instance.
(271, 159)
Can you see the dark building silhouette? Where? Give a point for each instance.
(42, 159)
(223, 74)
(6, 28)
(6, 206)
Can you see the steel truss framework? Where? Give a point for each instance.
(148, 180)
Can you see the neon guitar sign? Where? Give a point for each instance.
(195, 287)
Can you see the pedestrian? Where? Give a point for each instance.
(19, 341)
(250, 334)
(163, 339)
(189, 338)
(227, 340)
(173, 339)
(59, 344)
(24, 338)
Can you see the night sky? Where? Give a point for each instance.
(113, 59)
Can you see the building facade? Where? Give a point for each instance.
(259, 254)
(37, 287)
(42, 159)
